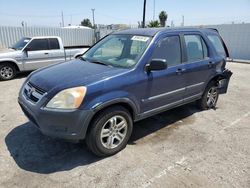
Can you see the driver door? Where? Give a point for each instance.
(36, 54)
(165, 88)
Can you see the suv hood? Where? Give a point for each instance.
(72, 74)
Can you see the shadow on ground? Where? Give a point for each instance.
(35, 152)
(22, 75)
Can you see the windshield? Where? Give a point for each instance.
(118, 50)
(21, 43)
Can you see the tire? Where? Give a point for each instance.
(7, 71)
(107, 135)
(210, 97)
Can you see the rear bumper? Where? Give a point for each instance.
(224, 81)
(69, 125)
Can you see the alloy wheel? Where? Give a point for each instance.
(113, 132)
(212, 97)
(6, 72)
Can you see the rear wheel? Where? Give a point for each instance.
(210, 97)
(110, 131)
(7, 71)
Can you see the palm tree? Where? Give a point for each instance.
(154, 23)
(163, 18)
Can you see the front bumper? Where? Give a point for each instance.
(70, 125)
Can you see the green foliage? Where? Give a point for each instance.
(86, 22)
(154, 23)
(163, 18)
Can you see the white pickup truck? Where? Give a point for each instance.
(33, 53)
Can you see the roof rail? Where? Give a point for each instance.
(214, 29)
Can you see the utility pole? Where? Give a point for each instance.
(154, 11)
(62, 19)
(144, 12)
(182, 24)
(93, 14)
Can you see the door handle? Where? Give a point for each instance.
(179, 71)
(46, 53)
(210, 64)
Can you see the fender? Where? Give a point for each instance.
(18, 64)
(100, 102)
(99, 106)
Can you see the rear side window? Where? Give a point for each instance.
(216, 41)
(54, 44)
(169, 49)
(196, 48)
(38, 44)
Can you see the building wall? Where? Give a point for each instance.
(70, 37)
(237, 39)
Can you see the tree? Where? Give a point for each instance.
(163, 18)
(154, 23)
(86, 22)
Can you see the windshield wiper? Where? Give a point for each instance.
(82, 58)
(12, 48)
(99, 62)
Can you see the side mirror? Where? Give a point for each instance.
(156, 65)
(27, 49)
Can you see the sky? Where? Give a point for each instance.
(195, 12)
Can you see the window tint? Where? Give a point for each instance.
(217, 44)
(54, 44)
(38, 44)
(196, 48)
(169, 49)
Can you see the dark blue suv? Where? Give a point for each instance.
(127, 76)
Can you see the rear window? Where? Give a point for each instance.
(54, 44)
(216, 41)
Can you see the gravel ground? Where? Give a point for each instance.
(183, 147)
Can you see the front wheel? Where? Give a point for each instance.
(7, 71)
(210, 97)
(110, 131)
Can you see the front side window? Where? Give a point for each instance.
(38, 44)
(196, 48)
(216, 41)
(169, 49)
(118, 50)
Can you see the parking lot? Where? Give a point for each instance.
(183, 147)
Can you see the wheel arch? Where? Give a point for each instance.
(12, 63)
(125, 103)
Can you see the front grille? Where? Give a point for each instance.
(32, 92)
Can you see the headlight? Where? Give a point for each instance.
(68, 99)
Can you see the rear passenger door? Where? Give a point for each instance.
(198, 65)
(56, 53)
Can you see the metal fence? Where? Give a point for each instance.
(70, 37)
(237, 39)
(236, 36)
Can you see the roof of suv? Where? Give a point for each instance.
(152, 31)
